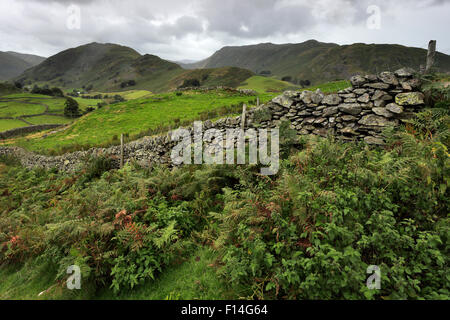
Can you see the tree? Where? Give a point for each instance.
(57, 92)
(190, 83)
(18, 84)
(305, 83)
(71, 109)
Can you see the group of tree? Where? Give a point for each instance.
(303, 83)
(190, 83)
(129, 83)
(265, 73)
(53, 92)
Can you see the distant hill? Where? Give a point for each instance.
(12, 64)
(31, 59)
(109, 67)
(319, 62)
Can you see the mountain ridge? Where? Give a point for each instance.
(318, 61)
(112, 67)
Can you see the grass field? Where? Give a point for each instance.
(127, 95)
(49, 119)
(20, 108)
(267, 85)
(142, 116)
(8, 124)
(44, 107)
(132, 118)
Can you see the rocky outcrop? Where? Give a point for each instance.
(361, 112)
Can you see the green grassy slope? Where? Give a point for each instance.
(103, 126)
(106, 66)
(265, 84)
(27, 104)
(140, 116)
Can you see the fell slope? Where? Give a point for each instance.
(320, 62)
(106, 66)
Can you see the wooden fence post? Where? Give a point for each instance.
(121, 150)
(244, 111)
(430, 56)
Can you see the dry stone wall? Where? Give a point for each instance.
(25, 130)
(362, 111)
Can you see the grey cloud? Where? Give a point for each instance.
(175, 28)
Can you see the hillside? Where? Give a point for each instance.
(319, 62)
(13, 64)
(31, 59)
(106, 67)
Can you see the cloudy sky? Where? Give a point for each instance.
(194, 29)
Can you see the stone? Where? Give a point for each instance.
(360, 91)
(371, 77)
(382, 112)
(303, 132)
(373, 141)
(304, 113)
(348, 118)
(283, 101)
(332, 99)
(348, 130)
(377, 85)
(351, 108)
(317, 96)
(357, 81)
(404, 72)
(379, 103)
(330, 111)
(394, 108)
(365, 98)
(409, 99)
(374, 120)
(388, 78)
(406, 86)
(305, 96)
(378, 94)
(321, 132)
(291, 94)
(414, 83)
(320, 120)
(350, 100)
(347, 95)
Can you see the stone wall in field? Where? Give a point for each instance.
(25, 130)
(360, 112)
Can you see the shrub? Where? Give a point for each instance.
(334, 210)
(190, 83)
